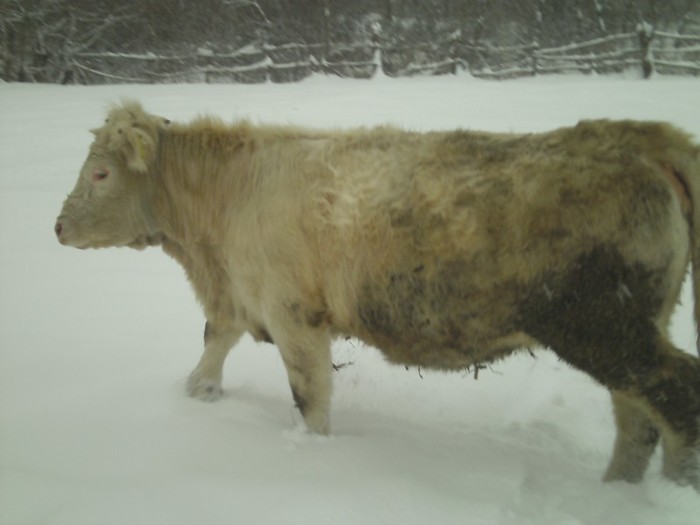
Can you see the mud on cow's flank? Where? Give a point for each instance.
(442, 249)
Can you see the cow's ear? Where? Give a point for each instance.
(140, 149)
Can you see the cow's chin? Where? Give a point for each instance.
(145, 241)
(93, 245)
(138, 243)
(73, 242)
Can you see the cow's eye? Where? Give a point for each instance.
(100, 174)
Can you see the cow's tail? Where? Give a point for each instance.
(693, 178)
(685, 169)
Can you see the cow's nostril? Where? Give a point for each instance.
(58, 228)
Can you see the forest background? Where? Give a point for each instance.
(100, 41)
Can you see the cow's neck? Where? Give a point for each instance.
(200, 176)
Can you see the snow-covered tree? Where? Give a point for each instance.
(40, 39)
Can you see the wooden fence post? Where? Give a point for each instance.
(455, 41)
(533, 57)
(377, 51)
(645, 32)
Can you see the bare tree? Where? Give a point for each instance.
(43, 40)
(39, 39)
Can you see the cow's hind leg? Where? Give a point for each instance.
(656, 389)
(205, 380)
(637, 437)
(673, 396)
(599, 316)
(665, 399)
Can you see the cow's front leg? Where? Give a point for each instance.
(306, 352)
(205, 380)
(309, 373)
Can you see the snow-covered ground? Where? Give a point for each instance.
(95, 427)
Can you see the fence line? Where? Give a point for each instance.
(666, 53)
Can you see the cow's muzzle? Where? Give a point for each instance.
(60, 230)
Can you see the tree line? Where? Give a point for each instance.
(39, 39)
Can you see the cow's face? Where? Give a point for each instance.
(109, 205)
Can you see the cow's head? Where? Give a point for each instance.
(109, 205)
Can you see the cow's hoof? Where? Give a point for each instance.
(204, 388)
(318, 423)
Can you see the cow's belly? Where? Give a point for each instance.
(452, 319)
(439, 354)
(447, 321)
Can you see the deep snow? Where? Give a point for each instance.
(94, 348)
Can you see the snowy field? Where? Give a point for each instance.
(95, 427)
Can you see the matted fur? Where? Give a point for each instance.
(442, 249)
